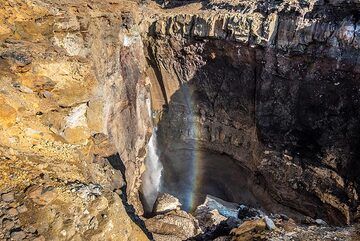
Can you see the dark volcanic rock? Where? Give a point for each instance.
(247, 212)
(276, 89)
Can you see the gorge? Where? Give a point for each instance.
(145, 120)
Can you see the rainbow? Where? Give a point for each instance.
(192, 182)
(196, 158)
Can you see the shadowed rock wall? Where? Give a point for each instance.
(277, 89)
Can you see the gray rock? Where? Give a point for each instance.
(320, 222)
(226, 209)
(12, 212)
(8, 224)
(87, 191)
(269, 223)
(166, 203)
(246, 212)
(208, 219)
(8, 197)
(18, 235)
(22, 209)
(19, 58)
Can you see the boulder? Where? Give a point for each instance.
(226, 209)
(247, 212)
(269, 223)
(208, 219)
(166, 203)
(173, 226)
(249, 230)
(8, 197)
(18, 235)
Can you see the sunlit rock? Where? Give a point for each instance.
(255, 102)
(175, 225)
(165, 203)
(7, 114)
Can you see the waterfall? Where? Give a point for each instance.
(151, 178)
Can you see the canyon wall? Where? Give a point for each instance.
(73, 93)
(275, 87)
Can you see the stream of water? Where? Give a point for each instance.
(151, 179)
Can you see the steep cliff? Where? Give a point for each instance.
(270, 88)
(73, 92)
(273, 85)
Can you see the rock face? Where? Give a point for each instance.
(274, 85)
(71, 96)
(58, 211)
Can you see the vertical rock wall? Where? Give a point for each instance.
(276, 88)
(73, 92)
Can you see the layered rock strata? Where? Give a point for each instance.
(275, 87)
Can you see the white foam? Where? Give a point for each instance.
(151, 179)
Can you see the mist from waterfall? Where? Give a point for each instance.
(151, 179)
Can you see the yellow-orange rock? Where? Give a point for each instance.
(76, 135)
(7, 114)
(248, 230)
(94, 115)
(75, 125)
